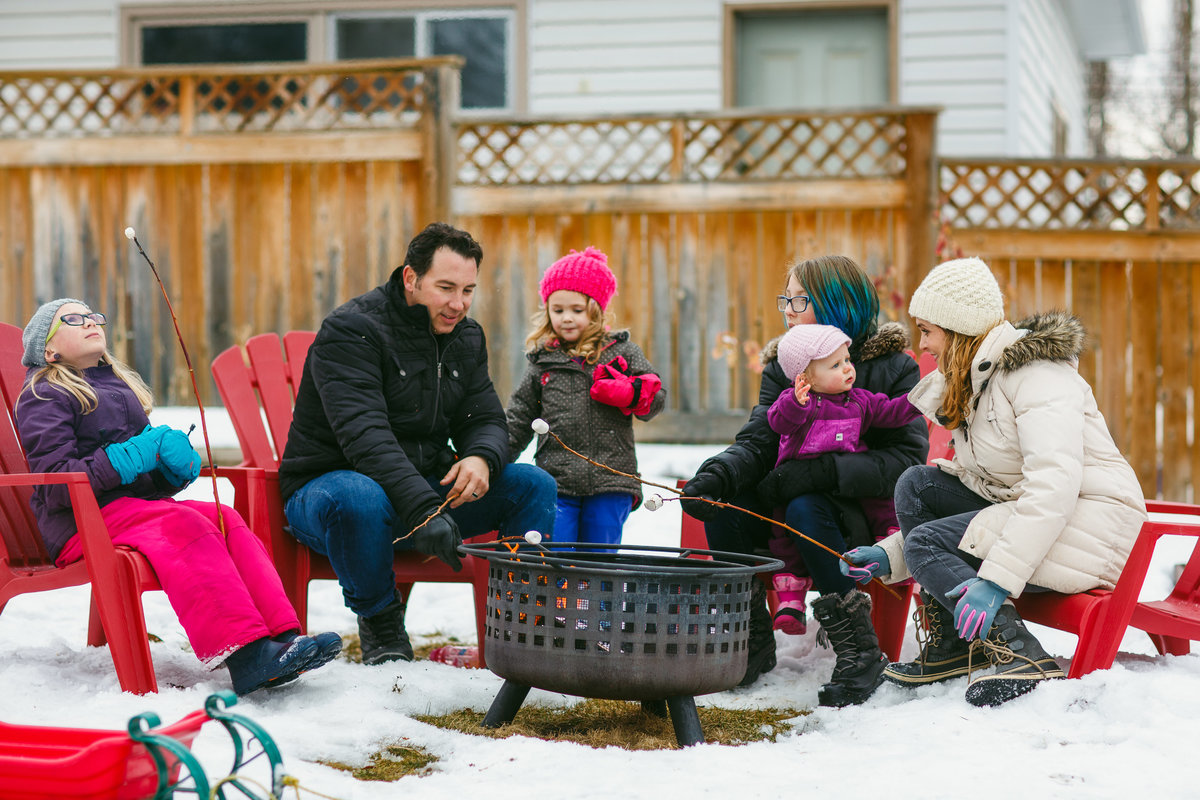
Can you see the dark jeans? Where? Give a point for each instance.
(814, 515)
(934, 510)
(347, 517)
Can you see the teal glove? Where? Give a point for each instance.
(868, 563)
(178, 461)
(137, 454)
(979, 600)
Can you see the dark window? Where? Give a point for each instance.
(376, 38)
(481, 41)
(225, 44)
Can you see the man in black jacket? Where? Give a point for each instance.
(395, 413)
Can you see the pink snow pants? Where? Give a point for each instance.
(225, 591)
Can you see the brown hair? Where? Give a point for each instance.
(955, 364)
(591, 339)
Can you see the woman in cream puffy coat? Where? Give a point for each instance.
(1036, 497)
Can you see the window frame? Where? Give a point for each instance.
(732, 8)
(319, 15)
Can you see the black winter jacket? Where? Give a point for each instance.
(882, 366)
(383, 395)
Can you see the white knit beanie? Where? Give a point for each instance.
(961, 296)
(35, 333)
(804, 344)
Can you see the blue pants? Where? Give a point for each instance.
(934, 509)
(347, 517)
(596, 519)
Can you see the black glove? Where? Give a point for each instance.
(794, 478)
(439, 537)
(704, 484)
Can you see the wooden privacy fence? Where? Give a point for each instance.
(1118, 244)
(266, 196)
(699, 216)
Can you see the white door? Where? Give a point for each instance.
(812, 59)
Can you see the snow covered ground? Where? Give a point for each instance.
(1129, 730)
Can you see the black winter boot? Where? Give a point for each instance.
(383, 637)
(943, 654)
(846, 624)
(1021, 662)
(761, 644)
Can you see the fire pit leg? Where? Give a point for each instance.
(507, 704)
(686, 721)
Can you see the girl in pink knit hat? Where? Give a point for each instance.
(587, 383)
(823, 412)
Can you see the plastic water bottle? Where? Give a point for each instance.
(455, 655)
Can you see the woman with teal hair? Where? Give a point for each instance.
(822, 495)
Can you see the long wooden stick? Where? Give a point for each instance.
(719, 504)
(131, 235)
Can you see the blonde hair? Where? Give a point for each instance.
(955, 364)
(591, 339)
(71, 381)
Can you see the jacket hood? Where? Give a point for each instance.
(1051, 336)
(891, 337)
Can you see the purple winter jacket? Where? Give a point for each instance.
(59, 437)
(835, 423)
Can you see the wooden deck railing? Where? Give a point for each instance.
(717, 147)
(364, 95)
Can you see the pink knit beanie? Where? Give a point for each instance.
(586, 273)
(804, 344)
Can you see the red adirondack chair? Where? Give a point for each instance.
(259, 390)
(117, 575)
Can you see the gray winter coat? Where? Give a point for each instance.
(555, 387)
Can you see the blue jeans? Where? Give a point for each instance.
(935, 509)
(596, 519)
(347, 517)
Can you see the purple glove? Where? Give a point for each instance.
(869, 562)
(979, 600)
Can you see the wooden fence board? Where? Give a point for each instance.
(1175, 344)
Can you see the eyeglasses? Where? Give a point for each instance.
(75, 320)
(798, 303)
(79, 319)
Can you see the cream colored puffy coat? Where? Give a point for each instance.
(1067, 505)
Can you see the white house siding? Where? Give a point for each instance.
(1049, 70)
(955, 55)
(58, 34)
(621, 56)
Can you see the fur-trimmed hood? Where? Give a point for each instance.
(1051, 336)
(891, 337)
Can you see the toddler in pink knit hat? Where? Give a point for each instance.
(587, 382)
(822, 412)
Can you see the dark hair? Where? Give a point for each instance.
(842, 294)
(436, 236)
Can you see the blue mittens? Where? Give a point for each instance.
(137, 454)
(177, 459)
(869, 562)
(979, 600)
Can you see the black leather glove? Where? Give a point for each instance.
(704, 484)
(439, 537)
(794, 478)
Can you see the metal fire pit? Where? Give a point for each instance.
(640, 624)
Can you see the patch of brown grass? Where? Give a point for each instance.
(613, 723)
(391, 763)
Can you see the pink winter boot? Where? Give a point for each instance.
(790, 615)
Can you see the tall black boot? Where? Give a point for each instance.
(383, 636)
(1021, 662)
(846, 625)
(761, 644)
(943, 654)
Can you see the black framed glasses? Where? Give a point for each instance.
(79, 319)
(798, 303)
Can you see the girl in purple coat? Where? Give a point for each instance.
(82, 410)
(822, 412)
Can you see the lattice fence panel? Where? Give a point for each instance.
(1179, 193)
(67, 106)
(1045, 194)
